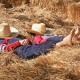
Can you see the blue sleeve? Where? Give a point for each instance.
(12, 40)
(30, 51)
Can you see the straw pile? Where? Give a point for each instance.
(74, 12)
(50, 4)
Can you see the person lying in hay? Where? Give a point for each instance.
(42, 34)
(25, 48)
(43, 41)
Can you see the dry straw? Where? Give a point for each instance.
(50, 4)
(14, 2)
(74, 12)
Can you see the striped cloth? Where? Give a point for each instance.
(2, 46)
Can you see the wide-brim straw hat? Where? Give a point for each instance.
(7, 31)
(39, 28)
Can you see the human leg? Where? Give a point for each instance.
(56, 39)
(67, 40)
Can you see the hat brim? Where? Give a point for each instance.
(14, 33)
(32, 31)
(48, 31)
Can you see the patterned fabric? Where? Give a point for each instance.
(9, 44)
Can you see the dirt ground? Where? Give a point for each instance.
(59, 64)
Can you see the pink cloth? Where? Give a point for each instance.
(38, 39)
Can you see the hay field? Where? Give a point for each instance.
(60, 63)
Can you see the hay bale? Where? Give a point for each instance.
(74, 12)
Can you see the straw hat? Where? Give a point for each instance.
(6, 31)
(39, 28)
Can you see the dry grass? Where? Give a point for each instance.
(51, 4)
(13, 3)
(74, 12)
(59, 64)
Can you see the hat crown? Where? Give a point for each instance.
(7, 31)
(4, 30)
(41, 28)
